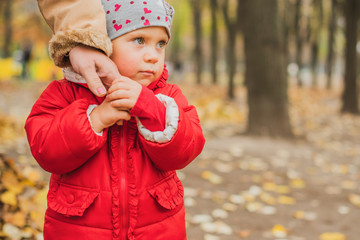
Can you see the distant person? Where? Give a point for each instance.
(113, 159)
(26, 50)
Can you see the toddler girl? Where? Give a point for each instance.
(113, 159)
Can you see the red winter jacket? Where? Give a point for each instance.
(118, 185)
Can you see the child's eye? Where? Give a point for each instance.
(161, 44)
(139, 41)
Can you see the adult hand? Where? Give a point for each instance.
(98, 70)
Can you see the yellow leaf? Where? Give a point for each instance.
(17, 219)
(9, 197)
(279, 231)
(211, 177)
(332, 236)
(299, 214)
(282, 189)
(267, 198)
(269, 186)
(10, 182)
(286, 200)
(355, 199)
(297, 183)
(37, 218)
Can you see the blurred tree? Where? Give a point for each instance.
(197, 14)
(288, 13)
(214, 40)
(331, 37)
(231, 22)
(265, 76)
(350, 96)
(316, 24)
(8, 28)
(299, 37)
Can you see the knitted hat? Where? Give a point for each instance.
(123, 16)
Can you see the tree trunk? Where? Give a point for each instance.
(198, 39)
(299, 40)
(316, 26)
(265, 76)
(331, 37)
(214, 41)
(350, 101)
(231, 28)
(8, 28)
(231, 56)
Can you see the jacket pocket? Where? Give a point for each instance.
(70, 200)
(169, 192)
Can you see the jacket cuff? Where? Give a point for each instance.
(88, 111)
(150, 111)
(62, 42)
(171, 122)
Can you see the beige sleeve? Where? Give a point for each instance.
(74, 22)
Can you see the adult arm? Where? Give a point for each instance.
(80, 39)
(75, 22)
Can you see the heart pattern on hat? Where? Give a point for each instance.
(127, 15)
(117, 7)
(147, 11)
(117, 27)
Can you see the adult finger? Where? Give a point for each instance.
(107, 70)
(93, 80)
(83, 60)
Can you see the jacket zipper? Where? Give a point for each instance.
(123, 183)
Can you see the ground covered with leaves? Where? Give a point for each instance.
(240, 187)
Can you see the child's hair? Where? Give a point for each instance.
(128, 15)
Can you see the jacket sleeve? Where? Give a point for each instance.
(59, 132)
(176, 149)
(75, 22)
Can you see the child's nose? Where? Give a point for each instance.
(151, 55)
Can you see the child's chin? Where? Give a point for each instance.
(145, 82)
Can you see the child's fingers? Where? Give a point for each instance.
(119, 94)
(122, 104)
(123, 115)
(118, 86)
(120, 122)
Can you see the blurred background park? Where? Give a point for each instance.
(276, 86)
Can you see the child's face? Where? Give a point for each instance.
(140, 54)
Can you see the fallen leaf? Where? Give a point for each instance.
(332, 236)
(297, 183)
(355, 199)
(17, 219)
(9, 197)
(279, 231)
(220, 213)
(244, 233)
(286, 200)
(212, 177)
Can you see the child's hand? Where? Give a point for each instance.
(124, 93)
(105, 115)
